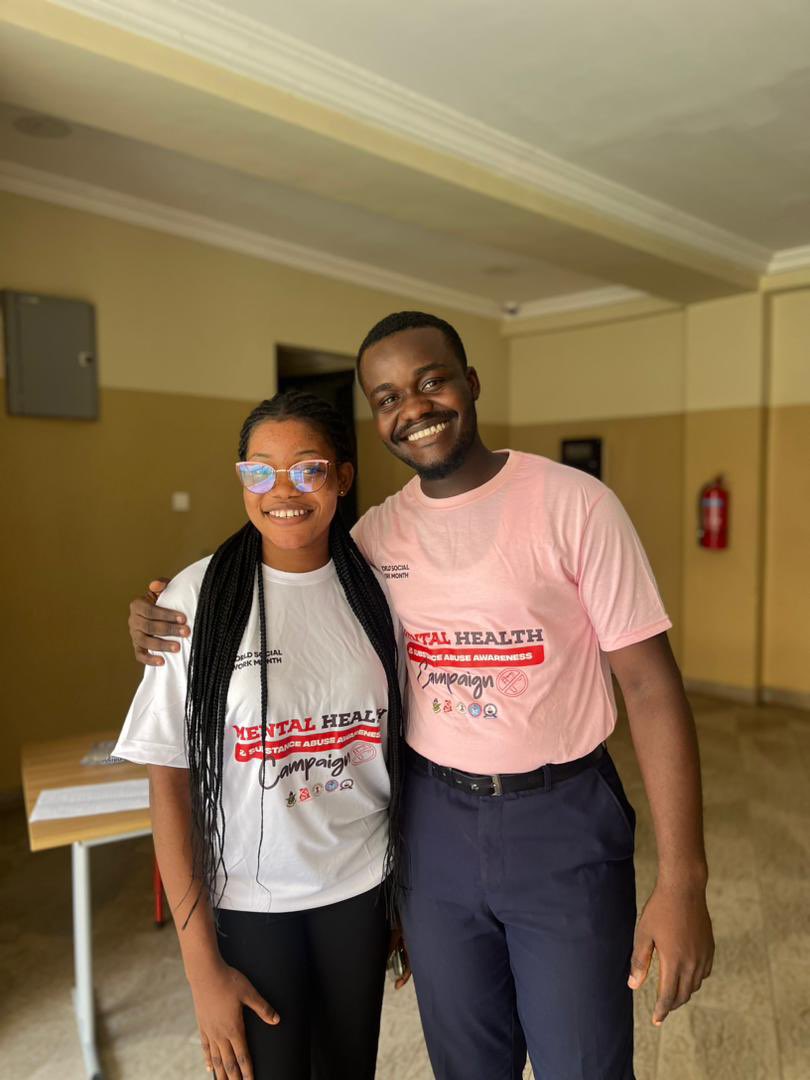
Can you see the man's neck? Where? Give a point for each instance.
(479, 466)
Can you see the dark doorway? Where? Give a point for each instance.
(329, 376)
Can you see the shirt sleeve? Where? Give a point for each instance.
(154, 728)
(364, 533)
(616, 584)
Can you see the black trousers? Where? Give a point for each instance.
(323, 970)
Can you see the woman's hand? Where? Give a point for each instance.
(219, 997)
(397, 947)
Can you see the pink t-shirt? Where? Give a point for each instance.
(510, 595)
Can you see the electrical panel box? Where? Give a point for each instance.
(50, 346)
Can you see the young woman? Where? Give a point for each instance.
(272, 740)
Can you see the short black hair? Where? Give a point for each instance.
(398, 321)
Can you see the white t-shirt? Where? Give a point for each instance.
(327, 788)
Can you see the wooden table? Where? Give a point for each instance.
(58, 764)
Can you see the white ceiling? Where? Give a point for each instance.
(705, 106)
(671, 123)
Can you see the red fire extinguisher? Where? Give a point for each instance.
(713, 515)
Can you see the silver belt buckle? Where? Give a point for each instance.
(497, 789)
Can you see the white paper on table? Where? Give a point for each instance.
(87, 799)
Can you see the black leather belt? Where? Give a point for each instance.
(503, 783)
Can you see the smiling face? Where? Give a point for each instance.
(294, 525)
(422, 399)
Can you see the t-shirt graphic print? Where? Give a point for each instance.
(472, 668)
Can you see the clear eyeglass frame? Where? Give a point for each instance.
(305, 476)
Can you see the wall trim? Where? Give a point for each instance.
(247, 47)
(789, 259)
(79, 195)
(744, 695)
(794, 699)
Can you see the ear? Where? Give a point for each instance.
(345, 477)
(358, 374)
(471, 375)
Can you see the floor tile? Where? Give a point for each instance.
(756, 767)
(792, 999)
(712, 1044)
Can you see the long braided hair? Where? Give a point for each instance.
(225, 601)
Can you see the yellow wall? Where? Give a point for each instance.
(621, 382)
(631, 368)
(725, 384)
(187, 337)
(77, 547)
(786, 656)
(722, 589)
(723, 354)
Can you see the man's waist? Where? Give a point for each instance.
(483, 783)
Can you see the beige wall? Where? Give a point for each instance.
(187, 337)
(630, 368)
(621, 382)
(786, 655)
(722, 589)
(86, 524)
(725, 434)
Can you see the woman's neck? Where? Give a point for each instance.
(296, 560)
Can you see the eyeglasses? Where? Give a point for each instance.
(306, 476)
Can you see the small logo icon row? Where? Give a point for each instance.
(475, 708)
(304, 794)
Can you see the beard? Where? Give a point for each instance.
(455, 457)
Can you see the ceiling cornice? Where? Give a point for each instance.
(789, 259)
(210, 32)
(78, 195)
(522, 318)
(578, 301)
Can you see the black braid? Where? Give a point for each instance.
(224, 605)
(367, 601)
(226, 596)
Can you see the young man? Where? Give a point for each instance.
(520, 584)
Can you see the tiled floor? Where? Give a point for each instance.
(750, 1022)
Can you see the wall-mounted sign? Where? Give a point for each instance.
(585, 454)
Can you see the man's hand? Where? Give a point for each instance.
(675, 923)
(150, 626)
(398, 959)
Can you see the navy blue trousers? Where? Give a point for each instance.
(519, 915)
